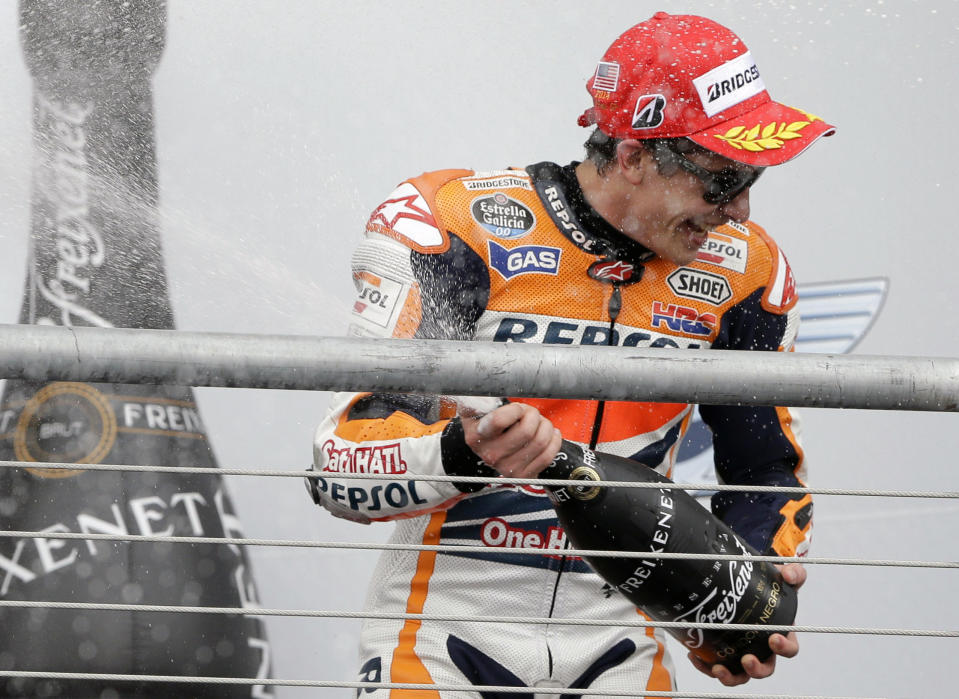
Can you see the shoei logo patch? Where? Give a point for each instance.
(729, 84)
(526, 259)
(649, 112)
(699, 285)
(503, 216)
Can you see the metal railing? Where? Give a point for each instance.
(718, 377)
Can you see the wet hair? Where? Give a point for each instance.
(601, 150)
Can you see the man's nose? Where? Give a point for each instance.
(738, 208)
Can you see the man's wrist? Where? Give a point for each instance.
(460, 460)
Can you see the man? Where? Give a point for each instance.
(646, 243)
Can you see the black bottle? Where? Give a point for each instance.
(96, 260)
(669, 520)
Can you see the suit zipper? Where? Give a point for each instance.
(613, 307)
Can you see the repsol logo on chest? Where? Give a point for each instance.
(558, 332)
(503, 216)
(699, 285)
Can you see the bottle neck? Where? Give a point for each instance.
(573, 462)
(95, 254)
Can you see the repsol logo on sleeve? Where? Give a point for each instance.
(699, 285)
(397, 495)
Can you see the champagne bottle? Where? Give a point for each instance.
(669, 520)
(96, 260)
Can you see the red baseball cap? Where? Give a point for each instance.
(683, 75)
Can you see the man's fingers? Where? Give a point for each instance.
(536, 455)
(758, 670)
(514, 439)
(496, 422)
(786, 646)
(794, 574)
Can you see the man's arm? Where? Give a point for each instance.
(413, 278)
(761, 446)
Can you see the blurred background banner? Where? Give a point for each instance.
(95, 259)
(834, 317)
(281, 124)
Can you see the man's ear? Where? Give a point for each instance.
(634, 160)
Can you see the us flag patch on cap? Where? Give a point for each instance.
(607, 77)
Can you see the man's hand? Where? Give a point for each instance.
(786, 646)
(514, 439)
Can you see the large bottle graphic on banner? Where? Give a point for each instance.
(96, 260)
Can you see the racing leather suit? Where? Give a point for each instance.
(520, 256)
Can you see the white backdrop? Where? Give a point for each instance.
(282, 123)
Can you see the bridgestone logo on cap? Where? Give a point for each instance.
(729, 84)
(648, 113)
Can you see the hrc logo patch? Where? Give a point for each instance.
(683, 320)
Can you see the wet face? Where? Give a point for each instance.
(670, 216)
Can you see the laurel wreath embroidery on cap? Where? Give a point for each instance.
(771, 137)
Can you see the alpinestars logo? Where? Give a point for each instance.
(649, 112)
(405, 213)
(611, 271)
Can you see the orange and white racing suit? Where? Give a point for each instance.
(520, 256)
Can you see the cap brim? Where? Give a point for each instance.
(768, 135)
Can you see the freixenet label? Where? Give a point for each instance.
(64, 184)
(721, 605)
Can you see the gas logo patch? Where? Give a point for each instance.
(525, 259)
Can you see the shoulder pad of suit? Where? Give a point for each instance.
(409, 214)
(780, 294)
